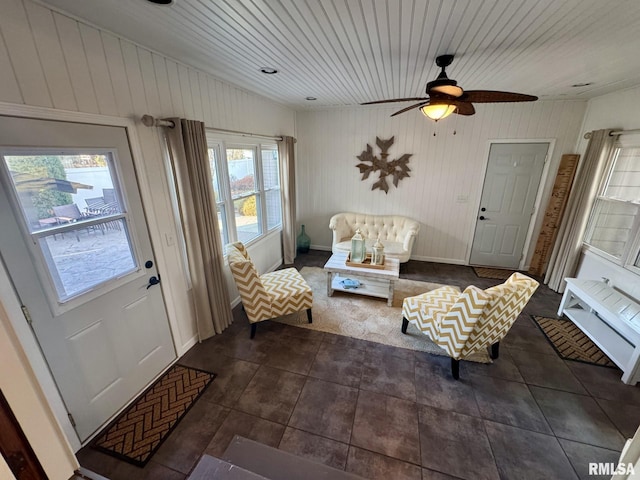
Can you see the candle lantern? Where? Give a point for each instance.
(358, 248)
(377, 254)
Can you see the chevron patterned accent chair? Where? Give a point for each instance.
(465, 322)
(270, 295)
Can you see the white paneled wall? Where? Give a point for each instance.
(50, 60)
(447, 170)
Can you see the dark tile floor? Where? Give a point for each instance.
(389, 413)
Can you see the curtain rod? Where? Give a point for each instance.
(243, 134)
(150, 121)
(614, 133)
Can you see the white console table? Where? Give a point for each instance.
(609, 318)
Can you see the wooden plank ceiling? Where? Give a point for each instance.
(344, 52)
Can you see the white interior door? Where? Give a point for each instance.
(75, 242)
(508, 197)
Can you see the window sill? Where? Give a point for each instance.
(602, 254)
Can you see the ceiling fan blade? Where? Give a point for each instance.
(493, 96)
(417, 99)
(417, 105)
(464, 108)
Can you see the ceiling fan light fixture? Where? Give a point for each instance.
(438, 111)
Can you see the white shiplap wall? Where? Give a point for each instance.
(50, 60)
(444, 167)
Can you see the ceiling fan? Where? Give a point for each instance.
(446, 97)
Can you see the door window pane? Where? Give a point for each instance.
(80, 259)
(56, 190)
(71, 206)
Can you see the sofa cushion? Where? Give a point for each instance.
(390, 248)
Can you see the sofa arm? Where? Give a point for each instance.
(409, 239)
(338, 224)
(456, 326)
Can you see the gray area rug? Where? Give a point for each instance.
(367, 318)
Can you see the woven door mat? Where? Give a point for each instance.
(139, 431)
(497, 273)
(570, 342)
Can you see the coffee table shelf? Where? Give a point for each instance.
(374, 282)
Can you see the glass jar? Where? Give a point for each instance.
(303, 242)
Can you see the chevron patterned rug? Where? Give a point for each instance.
(570, 343)
(367, 318)
(140, 430)
(497, 273)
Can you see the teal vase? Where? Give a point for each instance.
(303, 242)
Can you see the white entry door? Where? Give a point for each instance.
(508, 197)
(74, 239)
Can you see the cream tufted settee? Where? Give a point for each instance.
(397, 233)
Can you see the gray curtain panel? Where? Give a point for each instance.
(288, 192)
(566, 250)
(190, 162)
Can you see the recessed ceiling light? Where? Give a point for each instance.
(268, 70)
(576, 85)
(161, 2)
(311, 98)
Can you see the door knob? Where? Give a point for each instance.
(153, 281)
(481, 218)
(483, 209)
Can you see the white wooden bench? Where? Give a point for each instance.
(609, 318)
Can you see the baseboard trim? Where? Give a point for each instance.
(188, 344)
(275, 265)
(450, 261)
(320, 247)
(86, 474)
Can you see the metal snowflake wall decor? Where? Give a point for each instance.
(398, 168)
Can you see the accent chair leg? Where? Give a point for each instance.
(455, 368)
(405, 324)
(309, 316)
(253, 329)
(495, 350)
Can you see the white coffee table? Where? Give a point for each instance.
(373, 281)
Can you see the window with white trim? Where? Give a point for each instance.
(614, 223)
(246, 183)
